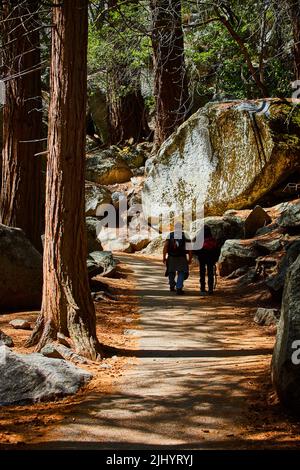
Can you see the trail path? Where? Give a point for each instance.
(188, 383)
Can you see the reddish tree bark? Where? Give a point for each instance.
(67, 306)
(20, 201)
(170, 83)
(127, 114)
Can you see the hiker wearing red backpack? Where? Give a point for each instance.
(208, 255)
(175, 258)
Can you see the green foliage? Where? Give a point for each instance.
(120, 45)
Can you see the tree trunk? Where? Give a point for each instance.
(67, 306)
(20, 202)
(170, 82)
(126, 113)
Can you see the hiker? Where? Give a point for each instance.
(175, 258)
(208, 256)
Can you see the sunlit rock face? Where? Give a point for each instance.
(227, 155)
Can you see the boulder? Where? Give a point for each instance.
(95, 195)
(276, 282)
(32, 378)
(118, 197)
(93, 242)
(286, 355)
(236, 254)
(134, 157)
(238, 273)
(290, 218)
(101, 262)
(5, 340)
(50, 351)
(62, 339)
(21, 269)
(226, 155)
(266, 229)
(155, 246)
(222, 228)
(257, 219)
(20, 324)
(267, 316)
(107, 167)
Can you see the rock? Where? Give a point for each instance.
(138, 242)
(214, 158)
(106, 167)
(290, 218)
(20, 324)
(119, 197)
(21, 268)
(267, 229)
(222, 228)
(32, 378)
(50, 351)
(267, 316)
(113, 240)
(95, 195)
(238, 272)
(134, 157)
(237, 254)
(139, 234)
(257, 219)
(276, 282)
(285, 360)
(101, 262)
(98, 110)
(92, 227)
(5, 340)
(155, 246)
(62, 339)
(249, 277)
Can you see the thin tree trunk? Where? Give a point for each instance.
(67, 306)
(170, 82)
(294, 12)
(20, 201)
(261, 86)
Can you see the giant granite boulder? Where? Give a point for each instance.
(21, 271)
(226, 155)
(286, 355)
(107, 167)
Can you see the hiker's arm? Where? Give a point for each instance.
(190, 255)
(165, 252)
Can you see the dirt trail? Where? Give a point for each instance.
(189, 379)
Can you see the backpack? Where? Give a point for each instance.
(210, 251)
(176, 246)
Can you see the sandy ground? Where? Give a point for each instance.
(184, 373)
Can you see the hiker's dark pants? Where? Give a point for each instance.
(209, 267)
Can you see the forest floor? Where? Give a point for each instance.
(185, 372)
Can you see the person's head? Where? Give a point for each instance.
(178, 227)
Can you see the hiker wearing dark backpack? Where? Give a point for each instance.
(208, 256)
(175, 258)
